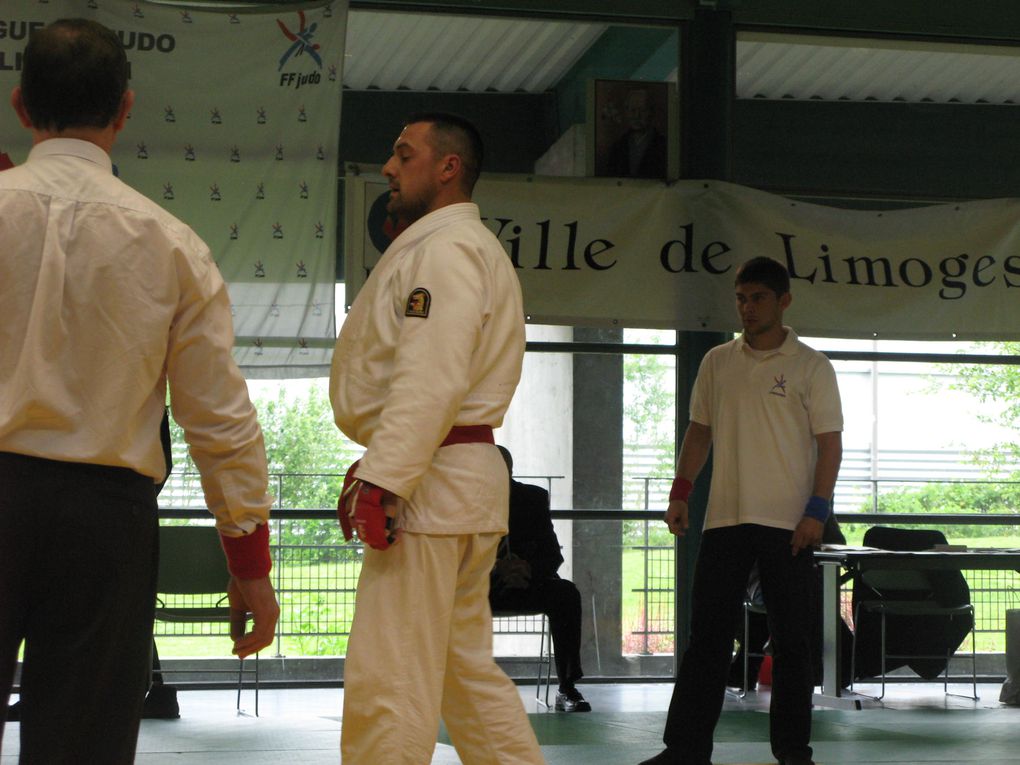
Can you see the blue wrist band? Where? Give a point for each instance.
(817, 508)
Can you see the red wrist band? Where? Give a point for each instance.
(681, 489)
(248, 556)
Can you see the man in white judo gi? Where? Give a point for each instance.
(424, 368)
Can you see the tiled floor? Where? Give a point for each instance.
(915, 724)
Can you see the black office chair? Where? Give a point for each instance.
(191, 563)
(924, 615)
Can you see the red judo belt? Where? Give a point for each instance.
(469, 434)
(360, 505)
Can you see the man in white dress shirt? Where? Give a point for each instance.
(424, 368)
(107, 300)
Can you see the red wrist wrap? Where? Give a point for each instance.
(681, 489)
(248, 556)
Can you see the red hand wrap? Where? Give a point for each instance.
(369, 517)
(681, 489)
(360, 508)
(342, 512)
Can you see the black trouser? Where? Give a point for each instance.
(720, 582)
(559, 600)
(78, 564)
(759, 635)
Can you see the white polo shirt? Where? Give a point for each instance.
(764, 409)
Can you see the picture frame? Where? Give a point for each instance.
(633, 129)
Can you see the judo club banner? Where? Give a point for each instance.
(235, 131)
(643, 254)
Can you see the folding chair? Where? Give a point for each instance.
(191, 563)
(908, 593)
(544, 660)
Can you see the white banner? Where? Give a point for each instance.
(235, 131)
(642, 254)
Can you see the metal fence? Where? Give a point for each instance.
(315, 572)
(992, 592)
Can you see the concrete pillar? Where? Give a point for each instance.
(708, 82)
(598, 484)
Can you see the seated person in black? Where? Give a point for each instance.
(525, 578)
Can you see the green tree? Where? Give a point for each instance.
(307, 456)
(958, 497)
(649, 422)
(304, 446)
(649, 408)
(997, 384)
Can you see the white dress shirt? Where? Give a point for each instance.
(107, 297)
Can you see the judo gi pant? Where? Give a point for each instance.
(421, 649)
(78, 563)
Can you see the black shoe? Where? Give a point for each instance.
(161, 703)
(735, 675)
(571, 700)
(14, 712)
(666, 757)
(662, 758)
(796, 760)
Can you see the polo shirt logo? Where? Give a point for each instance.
(779, 389)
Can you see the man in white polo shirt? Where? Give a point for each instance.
(770, 407)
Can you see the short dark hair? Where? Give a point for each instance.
(767, 271)
(453, 134)
(74, 74)
(507, 457)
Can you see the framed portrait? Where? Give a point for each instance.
(633, 129)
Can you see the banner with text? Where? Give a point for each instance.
(235, 131)
(642, 254)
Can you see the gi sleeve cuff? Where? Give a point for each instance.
(248, 556)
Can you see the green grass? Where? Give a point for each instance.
(314, 598)
(854, 533)
(989, 606)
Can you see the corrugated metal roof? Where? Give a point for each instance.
(420, 52)
(786, 66)
(398, 51)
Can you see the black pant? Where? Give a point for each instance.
(559, 600)
(78, 564)
(758, 630)
(720, 581)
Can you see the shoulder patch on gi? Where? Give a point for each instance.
(418, 303)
